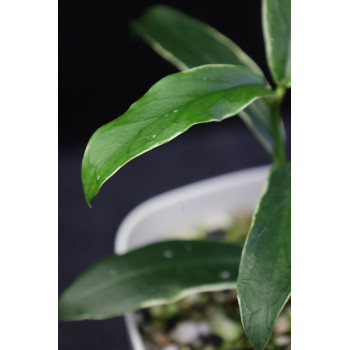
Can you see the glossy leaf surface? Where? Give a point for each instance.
(187, 42)
(258, 118)
(264, 281)
(172, 34)
(276, 16)
(170, 107)
(156, 274)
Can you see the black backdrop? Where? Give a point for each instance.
(103, 68)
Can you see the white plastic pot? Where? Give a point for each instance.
(173, 214)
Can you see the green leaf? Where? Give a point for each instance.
(264, 281)
(258, 118)
(172, 34)
(153, 275)
(170, 107)
(276, 16)
(187, 42)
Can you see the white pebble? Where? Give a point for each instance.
(203, 328)
(225, 274)
(168, 254)
(187, 332)
(170, 347)
(282, 340)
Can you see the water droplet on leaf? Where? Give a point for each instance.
(225, 274)
(168, 254)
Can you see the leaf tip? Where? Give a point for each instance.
(87, 194)
(88, 202)
(89, 183)
(62, 315)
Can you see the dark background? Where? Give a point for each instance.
(103, 68)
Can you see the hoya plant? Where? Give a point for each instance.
(217, 81)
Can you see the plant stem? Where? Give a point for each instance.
(275, 104)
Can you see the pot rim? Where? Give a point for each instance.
(185, 193)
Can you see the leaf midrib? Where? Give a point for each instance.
(114, 280)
